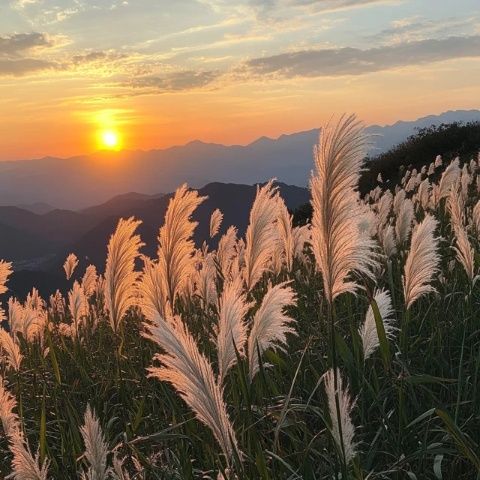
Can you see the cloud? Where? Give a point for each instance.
(24, 66)
(176, 81)
(21, 42)
(354, 61)
(96, 56)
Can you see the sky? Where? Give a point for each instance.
(159, 73)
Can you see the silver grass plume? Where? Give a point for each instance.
(260, 237)
(8, 403)
(89, 280)
(227, 251)
(387, 240)
(215, 222)
(5, 271)
(339, 246)
(120, 275)
(175, 251)
(368, 331)
(26, 466)
(11, 350)
(77, 305)
(404, 221)
(270, 325)
(456, 207)
(232, 328)
(384, 207)
(343, 430)
(464, 251)
(192, 376)
(449, 178)
(153, 290)
(398, 201)
(286, 240)
(96, 448)
(476, 217)
(70, 264)
(422, 261)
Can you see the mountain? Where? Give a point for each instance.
(38, 207)
(81, 181)
(39, 244)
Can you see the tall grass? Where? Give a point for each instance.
(346, 348)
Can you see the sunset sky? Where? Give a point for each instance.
(164, 72)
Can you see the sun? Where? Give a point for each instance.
(110, 140)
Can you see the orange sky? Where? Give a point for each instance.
(224, 74)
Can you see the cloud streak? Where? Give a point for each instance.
(355, 61)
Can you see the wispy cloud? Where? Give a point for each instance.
(355, 61)
(176, 81)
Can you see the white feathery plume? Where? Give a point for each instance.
(11, 350)
(205, 278)
(89, 280)
(388, 242)
(215, 222)
(8, 403)
(339, 246)
(70, 264)
(96, 448)
(191, 374)
(431, 169)
(176, 247)
(5, 271)
(476, 217)
(343, 434)
(404, 221)
(120, 275)
(473, 166)
(384, 206)
(152, 289)
(438, 161)
(368, 331)
(456, 207)
(424, 193)
(422, 261)
(34, 300)
(232, 328)
(261, 235)
(77, 305)
(464, 251)
(270, 325)
(25, 466)
(301, 236)
(119, 473)
(15, 315)
(227, 251)
(57, 304)
(379, 178)
(398, 201)
(286, 242)
(449, 178)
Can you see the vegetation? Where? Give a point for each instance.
(347, 347)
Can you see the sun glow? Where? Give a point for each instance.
(110, 140)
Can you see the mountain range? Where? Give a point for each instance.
(81, 181)
(39, 243)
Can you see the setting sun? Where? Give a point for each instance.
(110, 140)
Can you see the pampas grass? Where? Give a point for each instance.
(340, 248)
(261, 235)
(120, 275)
(232, 328)
(96, 448)
(70, 264)
(270, 325)
(215, 222)
(343, 430)
(422, 261)
(11, 350)
(191, 374)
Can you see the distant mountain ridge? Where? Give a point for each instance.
(40, 243)
(81, 181)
